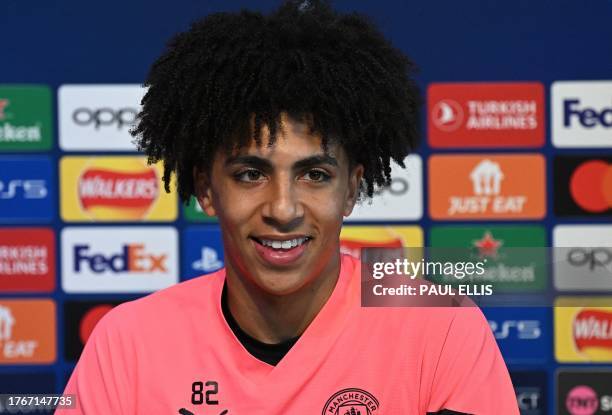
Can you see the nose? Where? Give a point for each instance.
(283, 208)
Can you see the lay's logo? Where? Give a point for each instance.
(114, 189)
(354, 238)
(100, 187)
(583, 329)
(593, 328)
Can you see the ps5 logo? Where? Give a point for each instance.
(208, 262)
(524, 329)
(31, 189)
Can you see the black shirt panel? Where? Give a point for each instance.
(269, 353)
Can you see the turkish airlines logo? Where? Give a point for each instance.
(487, 186)
(27, 259)
(486, 115)
(447, 115)
(593, 328)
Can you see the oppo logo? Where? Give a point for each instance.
(31, 189)
(398, 187)
(593, 258)
(105, 117)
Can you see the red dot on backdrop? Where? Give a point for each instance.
(586, 186)
(607, 186)
(90, 319)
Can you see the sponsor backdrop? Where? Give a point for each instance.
(516, 152)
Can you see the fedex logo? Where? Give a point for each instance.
(521, 329)
(581, 113)
(588, 117)
(131, 258)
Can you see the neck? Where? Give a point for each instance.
(273, 318)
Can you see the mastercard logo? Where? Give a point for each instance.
(591, 186)
(90, 320)
(114, 189)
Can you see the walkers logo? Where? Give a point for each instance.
(113, 259)
(354, 238)
(202, 251)
(487, 187)
(25, 118)
(98, 117)
(486, 115)
(530, 389)
(585, 261)
(522, 333)
(26, 189)
(583, 186)
(80, 318)
(584, 392)
(194, 213)
(402, 200)
(582, 114)
(27, 331)
(114, 189)
(27, 260)
(583, 329)
(515, 255)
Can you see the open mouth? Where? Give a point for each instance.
(284, 245)
(281, 252)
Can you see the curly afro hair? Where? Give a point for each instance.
(230, 73)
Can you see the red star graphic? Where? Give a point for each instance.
(3, 104)
(487, 246)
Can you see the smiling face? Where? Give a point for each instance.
(280, 208)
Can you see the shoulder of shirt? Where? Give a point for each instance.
(185, 297)
(461, 314)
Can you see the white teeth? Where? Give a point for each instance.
(288, 244)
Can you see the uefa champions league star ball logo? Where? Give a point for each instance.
(351, 401)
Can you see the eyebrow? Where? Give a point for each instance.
(263, 163)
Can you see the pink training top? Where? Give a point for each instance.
(172, 352)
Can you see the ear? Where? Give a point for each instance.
(203, 191)
(354, 184)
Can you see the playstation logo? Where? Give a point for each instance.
(208, 262)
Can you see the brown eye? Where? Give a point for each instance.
(250, 175)
(317, 176)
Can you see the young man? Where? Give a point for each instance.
(278, 124)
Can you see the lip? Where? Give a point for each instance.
(282, 257)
